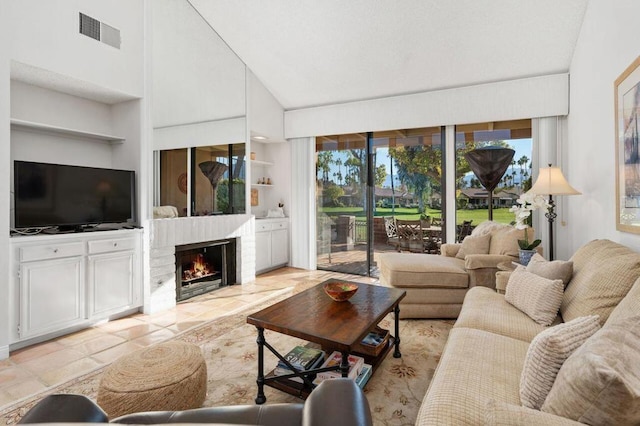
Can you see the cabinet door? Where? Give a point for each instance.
(51, 295)
(111, 283)
(279, 247)
(263, 250)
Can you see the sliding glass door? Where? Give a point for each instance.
(342, 203)
(368, 181)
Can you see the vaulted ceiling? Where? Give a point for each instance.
(311, 52)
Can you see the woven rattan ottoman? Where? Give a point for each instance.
(167, 376)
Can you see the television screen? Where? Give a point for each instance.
(71, 196)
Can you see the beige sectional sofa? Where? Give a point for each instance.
(436, 284)
(478, 378)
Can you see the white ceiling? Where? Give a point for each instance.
(319, 52)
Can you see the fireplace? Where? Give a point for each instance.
(203, 267)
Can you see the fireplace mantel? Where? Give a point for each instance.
(166, 234)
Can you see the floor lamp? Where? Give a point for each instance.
(551, 182)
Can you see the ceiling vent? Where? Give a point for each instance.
(100, 31)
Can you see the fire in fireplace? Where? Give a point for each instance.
(204, 267)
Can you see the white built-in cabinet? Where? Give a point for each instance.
(62, 282)
(272, 243)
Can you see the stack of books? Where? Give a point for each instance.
(302, 358)
(356, 364)
(364, 376)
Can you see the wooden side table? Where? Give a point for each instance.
(502, 276)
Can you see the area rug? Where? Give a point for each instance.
(395, 392)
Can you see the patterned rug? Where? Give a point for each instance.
(395, 392)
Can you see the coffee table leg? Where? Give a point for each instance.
(396, 314)
(344, 364)
(260, 399)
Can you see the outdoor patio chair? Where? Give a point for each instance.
(464, 230)
(410, 235)
(392, 231)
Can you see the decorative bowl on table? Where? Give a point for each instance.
(340, 291)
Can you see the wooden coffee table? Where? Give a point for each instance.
(336, 326)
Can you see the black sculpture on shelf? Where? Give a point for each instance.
(489, 165)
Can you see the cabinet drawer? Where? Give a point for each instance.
(263, 226)
(280, 225)
(116, 244)
(271, 226)
(51, 251)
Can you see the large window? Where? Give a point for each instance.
(472, 199)
(204, 180)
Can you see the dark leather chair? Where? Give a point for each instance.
(334, 402)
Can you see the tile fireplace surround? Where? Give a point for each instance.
(166, 234)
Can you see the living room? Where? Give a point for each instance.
(159, 95)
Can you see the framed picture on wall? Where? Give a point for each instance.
(627, 116)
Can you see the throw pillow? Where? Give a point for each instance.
(487, 227)
(534, 295)
(474, 245)
(599, 384)
(554, 270)
(504, 241)
(546, 354)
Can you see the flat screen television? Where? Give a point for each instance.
(71, 197)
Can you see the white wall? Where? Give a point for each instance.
(506, 100)
(196, 77)
(266, 118)
(4, 179)
(266, 113)
(608, 43)
(45, 34)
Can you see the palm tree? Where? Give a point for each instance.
(522, 162)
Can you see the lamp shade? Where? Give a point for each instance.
(552, 182)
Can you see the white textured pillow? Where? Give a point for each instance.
(474, 245)
(599, 384)
(552, 270)
(546, 354)
(534, 295)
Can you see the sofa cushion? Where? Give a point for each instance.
(534, 295)
(505, 240)
(629, 306)
(423, 270)
(599, 384)
(475, 367)
(502, 414)
(546, 354)
(484, 309)
(474, 245)
(603, 273)
(487, 227)
(551, 270)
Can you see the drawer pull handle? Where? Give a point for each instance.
(115, 244)
(55, 250)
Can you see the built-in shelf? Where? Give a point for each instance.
(261, 184)
(30, 125)
(261, 163)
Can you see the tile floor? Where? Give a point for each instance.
(35, 368)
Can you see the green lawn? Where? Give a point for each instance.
(502, 215)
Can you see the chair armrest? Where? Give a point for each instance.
(61, 408)
(264, 415)
(347, 407)
(450, 250)
(500, 413)
(337, 402)
(479, 261)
